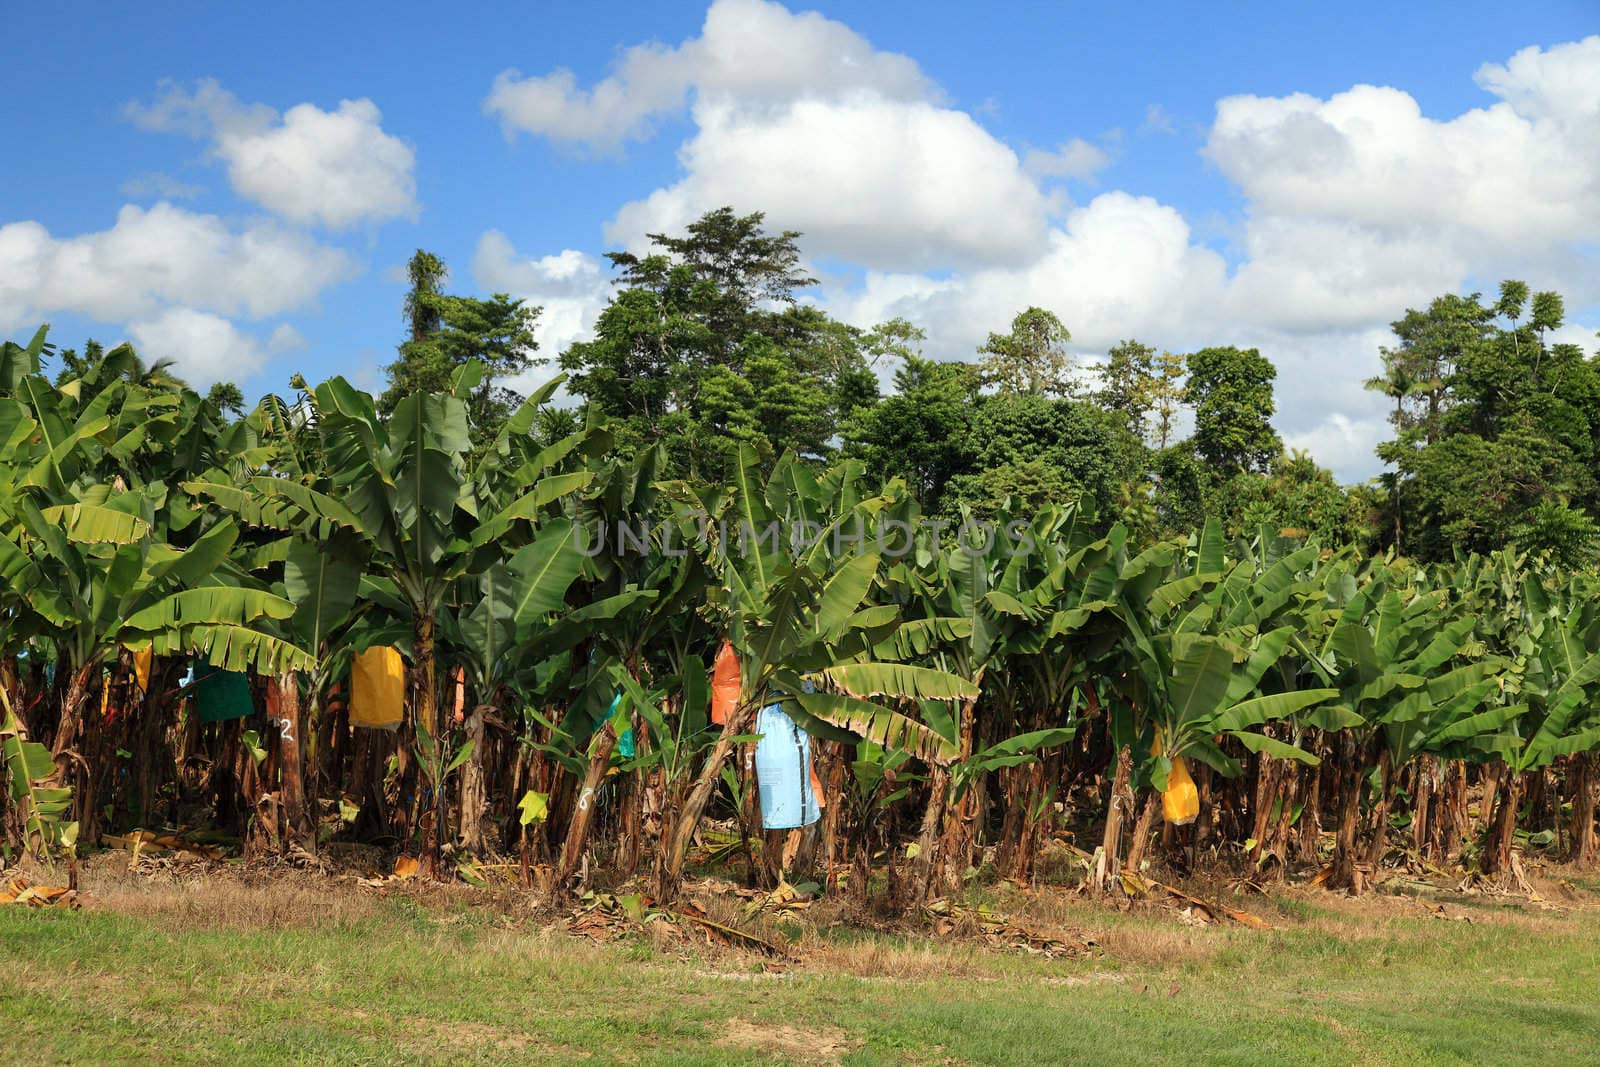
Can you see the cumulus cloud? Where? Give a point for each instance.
(1561, 81)
(1118, 263)
(1360, 203)
(1339, 441)
(800, 115)
(757, 52)
(572, 287)
(158, 256)
(1354, 207)
(205, 348)
(334, 168)
(870, 180)
(1369, 155)
(1357, 207)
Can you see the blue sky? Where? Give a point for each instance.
(238, 187)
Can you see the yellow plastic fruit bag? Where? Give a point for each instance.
(377, 688)
(1180, 801)
(142, 660)
(1180, 804)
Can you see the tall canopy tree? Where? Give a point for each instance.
(447, 331)
(705, 347)
(1496, 431)
(1231, 391)
(1032, 358)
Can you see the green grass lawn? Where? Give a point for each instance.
(393, 980)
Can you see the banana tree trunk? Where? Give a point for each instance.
(1141, 831)
(1268, 771)
(1345, 872)
(860, 883)
(474, 799)
(426, 713)
(1581, 836)
(72, 706)
(1451, 825)
(1487, 806)
(1310, 829)
(924, 866)
(1422, 802)
(1108, 862)
(1020, 833)
(749, 816)
(65, 748)
(577, 839)
(631, 844)
(1200, 834)
(669, 874)
(958, 842)
(152, 757)
(1278, 835)
(1380, 817)
(834, 769)
(1497, 854)
(1040, 818)
(297, 825)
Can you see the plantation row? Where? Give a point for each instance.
(591, 654)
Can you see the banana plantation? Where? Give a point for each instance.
(534, 652)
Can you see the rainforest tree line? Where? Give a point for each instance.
(1018, 603)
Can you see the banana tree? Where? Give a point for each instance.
(1384, 651)
(792, 607)
(1057, 668)
(1036, 610)
(38, 806)
(1555, 685)
(1209, 650)
(401, 488)
(499, 637)
(639, 624)
(323, 582)
(98, 580)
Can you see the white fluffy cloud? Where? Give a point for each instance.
(205, 348)
(161, 256)
(757, 52)
(334, 168)
(1117, 263)
(869, 180)
(1360, 204)
(1354, 207)
(572, 287)
(800, 115)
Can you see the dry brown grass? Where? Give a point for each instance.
(828, 936)
(201, 898)
(269, 894)
(902, 961)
